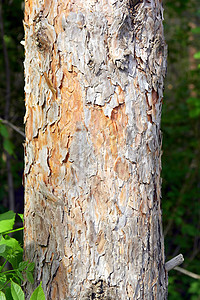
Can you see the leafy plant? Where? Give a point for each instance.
(7, 144)
(194, 107)
(181, 145)
(11, 253)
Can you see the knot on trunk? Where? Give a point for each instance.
(99, 290)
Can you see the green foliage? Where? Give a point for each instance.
(195, 30)
(38, 294)
(194, 290)
(194, 107)
(16, 291)
(181, 144)
(2, 296)
(7, 221)
(12, 252)
(7, 143)
(12, 13)
(18, 294)
(197, 55)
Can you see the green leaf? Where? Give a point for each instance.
(18, 273)
(11, 243)
(2, 248)
(4, 131)
(13, 252)
(15, 278)
(196, 30)
(194, 287)
(38, 294)
(197, 55)
(194, 107)
(8, 293)
(8, 146)
(7, 221)
(31, 267)
(3, 279)
(22, 265)
(30, 277)
(2, 296)
(16, 291)
(21, 217)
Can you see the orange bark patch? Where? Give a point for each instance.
(122, 169)
(60, 281)
(120, 119)
(29, 125)
(122, 196)
(99, 140)
(113, 138)
(99, 191)
(154, 97)
(120, 94)
(72, 111)
(29, 7)
(118, 209)
(64, 138)
(41, 141)
(47, 5)
(112, 130)
(100, 242)
(77, 215)
(69, 79)
(65, 119)
(54, 162)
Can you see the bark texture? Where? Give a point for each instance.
(94, 85)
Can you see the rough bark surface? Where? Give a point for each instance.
(94, 85)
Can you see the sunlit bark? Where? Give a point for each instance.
(94, 85)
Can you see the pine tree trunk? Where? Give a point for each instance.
(94, 85)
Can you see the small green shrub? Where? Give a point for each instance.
(11, 253)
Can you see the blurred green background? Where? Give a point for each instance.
(180, 126)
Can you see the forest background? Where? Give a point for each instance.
(180, 127)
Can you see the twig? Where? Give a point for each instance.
(188, 273)
(15, 128)
(174, 262)
(14, 230)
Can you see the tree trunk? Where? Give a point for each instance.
(94, 85)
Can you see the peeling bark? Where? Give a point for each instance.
(94, 75)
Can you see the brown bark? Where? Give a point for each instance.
(94, 85)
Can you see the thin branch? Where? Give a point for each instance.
(15, 128)
(11, 231)
(172, 263)
(188, 273)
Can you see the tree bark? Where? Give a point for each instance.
(94, 75)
